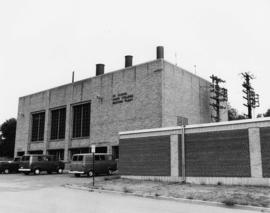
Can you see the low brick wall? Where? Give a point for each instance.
(217, 154)
(228, 152)
(145, 156)
(265, 148)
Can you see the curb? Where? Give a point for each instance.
(183, 200)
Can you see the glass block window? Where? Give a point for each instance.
(81, 120)
(38, 122)
(58, 123)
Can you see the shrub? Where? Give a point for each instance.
(229, 202)
(126, 190)
(157, 194)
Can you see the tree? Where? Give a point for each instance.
(233, 114)
(7, 137)
(267, 114)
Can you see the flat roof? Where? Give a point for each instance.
(224, 123)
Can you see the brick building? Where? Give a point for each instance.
(70, 118)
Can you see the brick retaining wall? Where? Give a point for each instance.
(229, 152)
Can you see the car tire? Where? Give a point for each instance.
(90, 173)
(49, 172)
(60, 171)
(110, 172)
(6, 171)
(26, 173)
(37, 171)
(77, 175)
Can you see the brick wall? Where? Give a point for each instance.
(184, 94)
(217, 154)
(145, 156)
(235, 152)
(265, 149)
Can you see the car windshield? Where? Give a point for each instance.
(25, 158)
(16, 159)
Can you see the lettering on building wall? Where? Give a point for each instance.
(121, 98)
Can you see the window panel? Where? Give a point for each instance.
(62, 123)
(81, 120)
(58, 123)
(41, 127)
(38, 122)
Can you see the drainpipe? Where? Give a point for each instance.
(183, 155)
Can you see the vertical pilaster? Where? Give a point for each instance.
(47, 122)
(255, 152)
(109, 149)
(67, 133)
(174, 155)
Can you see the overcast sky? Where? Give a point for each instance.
(42, 42)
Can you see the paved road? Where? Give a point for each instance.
(45, 194)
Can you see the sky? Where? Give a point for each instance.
(42, 42)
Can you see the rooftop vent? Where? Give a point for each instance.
(128, 60)
(160, 52)
(99, 69)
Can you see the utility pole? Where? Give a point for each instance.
(218, 95)
(251, 97)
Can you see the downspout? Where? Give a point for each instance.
(183, 155)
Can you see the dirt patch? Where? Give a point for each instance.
(229, 195)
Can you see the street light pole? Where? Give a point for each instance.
(93, 150)
(93, 169)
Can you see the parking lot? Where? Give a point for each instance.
(44, 193)
(21, 182)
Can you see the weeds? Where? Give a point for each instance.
(228, 202)
(126, 190)
(157, 194)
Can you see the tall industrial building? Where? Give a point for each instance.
(70, 118)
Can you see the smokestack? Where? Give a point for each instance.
(99, 69)
(128, 60)
(160, 52)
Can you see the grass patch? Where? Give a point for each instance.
(112, 177)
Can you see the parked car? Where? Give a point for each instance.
(7, 167)
(83, 164)
(37, 163)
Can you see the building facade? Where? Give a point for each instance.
(69, 119)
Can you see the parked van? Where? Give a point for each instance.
(37, 163)
(10, 166)
(83, 164)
